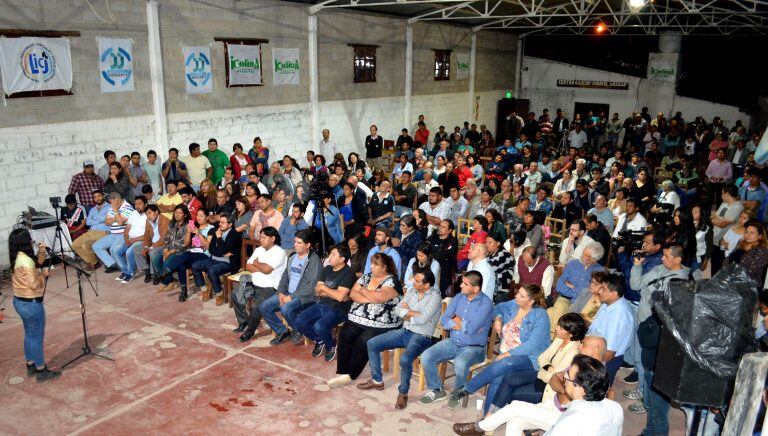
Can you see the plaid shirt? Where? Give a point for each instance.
(83, 185)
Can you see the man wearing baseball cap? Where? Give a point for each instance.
(83, 184)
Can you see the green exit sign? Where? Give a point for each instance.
(508, 94)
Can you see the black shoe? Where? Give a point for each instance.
(296, 337)
(147, 276)
(183, 294)
(111, 269)
(624, 364)
(330, 354)
(240, 328)
(632, 378)
(318, 350)
(31, 370)
(279, 339)
(155, 280)
(46, 374)
(164, 275)
(247, 335)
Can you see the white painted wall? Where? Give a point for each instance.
(539, 78)
(38, 161)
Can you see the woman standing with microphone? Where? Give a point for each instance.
(28, 290)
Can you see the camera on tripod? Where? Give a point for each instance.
(319, 188)
(55, 202)
(631, 240)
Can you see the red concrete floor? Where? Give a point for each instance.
(178, 369)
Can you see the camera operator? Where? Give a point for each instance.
(642, 261)
(649, 282)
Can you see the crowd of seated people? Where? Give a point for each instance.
(526, 264)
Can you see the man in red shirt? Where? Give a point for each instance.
(189, 198)
(462, 172)
(422, 134)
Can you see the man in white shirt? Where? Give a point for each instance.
(457, 204)
(435, 208)
(590, 412)
(478, 261)
(326, 146)
(134, 233)
(266, 266)
(577, 240)
(577, 138)
(198, 166)
(632, 220)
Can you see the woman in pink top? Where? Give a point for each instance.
(719, 143)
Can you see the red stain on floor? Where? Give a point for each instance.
(218, 407)
(248, 403)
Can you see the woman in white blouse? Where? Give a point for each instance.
(566, 183)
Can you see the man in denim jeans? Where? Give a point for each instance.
(295, 292)
(332, 289)
(420, 309)
(468, 318)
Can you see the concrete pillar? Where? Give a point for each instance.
(471, 95)
(156, 78)
(314, 104)
(408, 74)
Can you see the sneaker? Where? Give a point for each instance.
(433, 396)
(318, 350)
(341, 380)
(126, 279)
(296, 337)
(330, 354)
(279, 339)
(632, 378)
(459, 396)
(624, 364)
(633, 394)
(46, 374)
(120, 277)
(637, 408)
(111, 269)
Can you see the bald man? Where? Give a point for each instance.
(520, 416)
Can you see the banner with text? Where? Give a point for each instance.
(243, 64)
(198, 75)
(116, 65)
(663, 66)
(35, 64)
(462, 65)
(285, 69)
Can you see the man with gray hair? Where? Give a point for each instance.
(575, 279)
(110, 246)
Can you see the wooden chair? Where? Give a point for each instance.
(557, 228)
(229, 282)
(464, 230)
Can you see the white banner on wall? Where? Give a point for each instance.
(35, 64)
(285, 68)
(663, 66)
(462, 65)
(115, 65)
(198, 75)
(244, 64)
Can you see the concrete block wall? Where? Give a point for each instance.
(43, 141)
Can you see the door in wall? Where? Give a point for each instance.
(507, 106)
(584, 108)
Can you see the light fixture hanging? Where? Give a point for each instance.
(636, 4)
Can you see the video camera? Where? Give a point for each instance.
(631, 240)
(319, 188)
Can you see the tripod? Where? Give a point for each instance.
(320, 208)
(83, 274)
(59, 236)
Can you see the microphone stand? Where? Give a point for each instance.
(83, 274)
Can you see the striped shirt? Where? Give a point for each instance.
(125, 210)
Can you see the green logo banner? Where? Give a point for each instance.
(286, 68)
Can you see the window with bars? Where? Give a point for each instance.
(365, 63)
(442, 65)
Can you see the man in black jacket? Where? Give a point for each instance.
(224, 248)
(597, 231)
(373, 146)
(444, 249)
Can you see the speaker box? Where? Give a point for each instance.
(680, 379)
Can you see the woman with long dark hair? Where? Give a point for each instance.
(374, 299)
(28, 291)
(118, 182)
(704, 236)
(752, 251)
(177, 240)
(423, 261)
(684, 233)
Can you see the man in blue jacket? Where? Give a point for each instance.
(468, 319)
